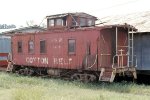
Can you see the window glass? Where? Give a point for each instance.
(71, 46)
(90, 22)
(42, 46)
(31, 46)
(82, 22)
(19, 46)
(51, 22)
(59, 22)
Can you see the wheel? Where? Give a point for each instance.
(75, 77)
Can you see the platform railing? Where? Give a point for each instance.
(120, 61)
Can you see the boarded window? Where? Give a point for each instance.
(42, 46)
(31, 46)
(19, 46)
(71, 46)
(59, 22)
(51, 22)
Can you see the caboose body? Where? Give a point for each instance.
(74, 47)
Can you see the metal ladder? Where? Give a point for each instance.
(130, 49)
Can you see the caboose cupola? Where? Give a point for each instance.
(70, 20)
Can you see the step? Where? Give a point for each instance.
(105, 79)
(106, 76)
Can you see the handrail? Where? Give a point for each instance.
(122, 59)
(94, 61)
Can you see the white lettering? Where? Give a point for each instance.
(55, 61)
(44, 60)
(38, 60)
(62, 61)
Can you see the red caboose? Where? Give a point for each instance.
(74, 47)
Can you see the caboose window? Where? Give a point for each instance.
(31, 46)
(82, 22)
(51, 22)
(19, 46)
(59, 22)
(42, 46)
(90, 22)
(71, 46)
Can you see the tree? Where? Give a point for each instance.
(30, 23)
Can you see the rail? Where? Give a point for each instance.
(94, 62)
(120, 60)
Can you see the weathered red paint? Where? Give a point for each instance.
(101, 39)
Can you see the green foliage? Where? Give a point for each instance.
(14, 87)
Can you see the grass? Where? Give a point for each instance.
(14, 87)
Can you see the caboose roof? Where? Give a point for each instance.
(138, 19)
(125, 25)
(30, 29)
(80, 14)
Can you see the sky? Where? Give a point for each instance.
(19, 11)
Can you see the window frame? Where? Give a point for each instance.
(31, 51)
(50, 23)
(45, 51)
(20, 50)
(90, 22)
(60, 24)
(83, 21)
(74, 50)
